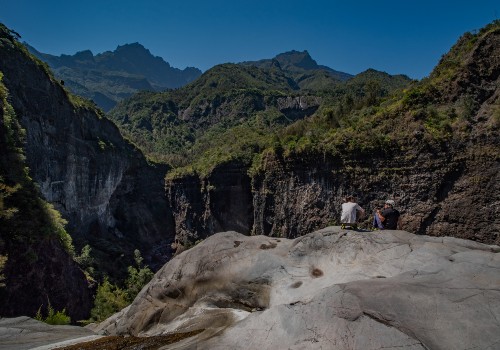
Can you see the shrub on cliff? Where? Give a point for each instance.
(108, 300)
(111, 298)
(24, 216)
(53, 317)
(138, 276)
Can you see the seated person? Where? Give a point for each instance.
(377, 223)
(349, 211)
(389, 216)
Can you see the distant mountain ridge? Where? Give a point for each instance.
(297, 62)
(111, 76)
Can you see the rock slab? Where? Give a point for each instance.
(333, 288)
(22, 333)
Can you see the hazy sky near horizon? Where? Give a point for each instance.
(398, 37)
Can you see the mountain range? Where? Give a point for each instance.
(111, 76)
(183, 123)
(257, 148)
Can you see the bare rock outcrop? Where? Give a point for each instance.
(23, 333)
(333, 288)
(111, 196)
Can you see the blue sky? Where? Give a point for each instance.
(398, 37)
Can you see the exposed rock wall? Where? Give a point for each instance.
(244, 104)
(443, 190)
(101, 183)
(38, 272)
(54, 279)
(221, 202)
(438, 193)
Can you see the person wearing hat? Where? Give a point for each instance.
(349, 212)
(389, 216)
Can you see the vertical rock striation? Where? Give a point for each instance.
(449, 191)
(220, 202)
(101, 183)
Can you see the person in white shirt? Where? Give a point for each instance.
(349, 212)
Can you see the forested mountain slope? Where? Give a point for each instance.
(433, 147)
(245, 102)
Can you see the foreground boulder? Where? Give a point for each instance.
(333, 289)
(22, 333)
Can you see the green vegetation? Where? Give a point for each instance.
(234, 112)
(454, 60)
(3, 261)
(241, 113)
(112, 298)
(24, 216)
(87, 263)
(108, 300)
(82, 103)
(53, 317)
(138, 277)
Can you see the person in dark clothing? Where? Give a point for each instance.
(377, 223)
(389, 216)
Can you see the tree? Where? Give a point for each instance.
(138, 276)
(108, 300)
(111, 298)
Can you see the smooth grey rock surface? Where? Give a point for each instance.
(334, 289)
(22, 333)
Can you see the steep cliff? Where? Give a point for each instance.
(112, 198)
(220, 202)
(36, 266)
(434, 148)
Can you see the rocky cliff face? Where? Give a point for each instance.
(36, 268)
(219, 203)
(43, 275)
(102, 184)
(447, 184)
(438, 193)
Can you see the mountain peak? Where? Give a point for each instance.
(297, 62)
(119, 73)
(133, 47)
(293, 59)
(297, 59)
(85, 55)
